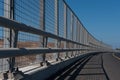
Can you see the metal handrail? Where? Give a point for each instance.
(8, 23)
(13, 52)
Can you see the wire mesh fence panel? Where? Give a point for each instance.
(68, 24)
(1, 7)
(25, 61)
(28, 12)
(50, 16)
(75, 29)
(51, 44)
(4, 36)
(1, 38)
(4, 66)
(61, 18)
(27, 40)
(62, 54)
(4, 32)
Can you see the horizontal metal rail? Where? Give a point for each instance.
(8, 23)
(13, 52)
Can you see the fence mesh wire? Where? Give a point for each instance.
(55, 21)
(4, 39)
(28, 12)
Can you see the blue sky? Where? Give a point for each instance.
(100, 17)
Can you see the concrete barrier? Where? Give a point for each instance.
(52, 69)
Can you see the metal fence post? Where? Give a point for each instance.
(57, 42)
(8, 33)
(79, 37)
(58, 55)
(83, 37)
(14, 39)
(65, 27)
(72, 31)
(44, 40)
(79, 34)
(13, 35)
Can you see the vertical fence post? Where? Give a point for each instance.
(8, 13)
(79, 39)
(58, 55)
(80, 28)
(44, 40)
(71, 28)
(77, 34)
(14, 39)
(70, 32)
(81, 36)
(57, 42)
(10, 35)
(65, 28)
(13, 35)
(84, 39)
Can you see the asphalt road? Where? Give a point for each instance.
(111, 65)
(93, 70)
(90, 68)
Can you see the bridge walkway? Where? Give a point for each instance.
(92, 70)
(89, 68)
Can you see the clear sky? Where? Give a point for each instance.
(100, 17)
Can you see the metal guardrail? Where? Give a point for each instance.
(14, 52)
(24, 28)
